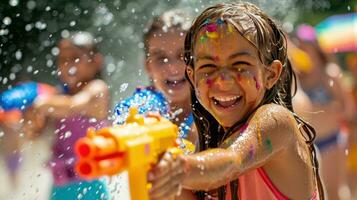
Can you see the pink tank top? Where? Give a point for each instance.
(257, 185)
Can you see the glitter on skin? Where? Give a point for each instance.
(259, 135)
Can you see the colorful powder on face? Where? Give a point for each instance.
(206, 21)
(216, 58)
(209, 82)
(211, 28)
(211, 31)
(203, 38)
(230, 28)
(243, 128)
(269, 145)
(251, 152)
(220, 21)
(212, 35)
(257, 85)
(239, 77)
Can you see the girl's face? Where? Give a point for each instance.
(165, 64)
(229, 79)
(76, 65)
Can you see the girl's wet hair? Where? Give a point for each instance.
(269, 40)
(170, 19)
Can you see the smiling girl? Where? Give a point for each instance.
(252, 145)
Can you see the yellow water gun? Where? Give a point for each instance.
(134, 147)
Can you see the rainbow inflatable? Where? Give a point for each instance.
(338, 33)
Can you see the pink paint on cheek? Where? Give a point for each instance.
(257, 84)
(239, 77)
(209, 82)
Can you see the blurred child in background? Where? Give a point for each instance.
(331, 107)
(83, 103)
(164, 49)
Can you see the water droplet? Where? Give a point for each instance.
(31, 5)
(67, 134)
(123, 87)
(72, 23)
(55, 51)
(14, 2)
(72, 71)
(29, 69)
(18, 55)
(7, 20)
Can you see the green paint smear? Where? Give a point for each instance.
(269, 145)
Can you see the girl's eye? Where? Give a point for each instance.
(207, 66)
(239, 63)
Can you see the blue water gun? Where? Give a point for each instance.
(20, 97)
(146, 100)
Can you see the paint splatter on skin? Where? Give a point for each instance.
(206, 21)
(211, 31)
(203, 38)
(209, 82)
(212, 35)
(243, 128)
(259, 135)
(269, 145)
(251, 152)
(220, 22)
(239, 77)
(230, 28)
(257, 84)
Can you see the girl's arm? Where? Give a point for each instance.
(92, 100)
(269, 132)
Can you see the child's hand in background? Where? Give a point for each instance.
(34, 122)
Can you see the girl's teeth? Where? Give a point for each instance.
(227, 98)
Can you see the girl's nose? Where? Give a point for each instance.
(225, 81)
(174, 68)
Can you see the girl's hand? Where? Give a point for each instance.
(166, 177)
